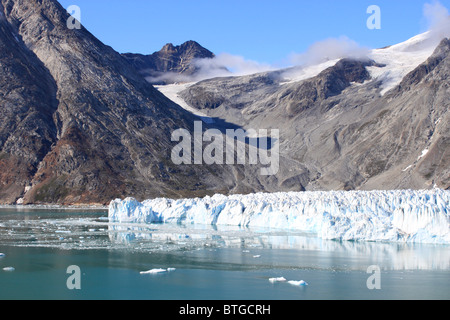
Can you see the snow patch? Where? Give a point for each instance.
(407, 168)
(172, 91)
(400, 59)
(297, 74)
(424, 153)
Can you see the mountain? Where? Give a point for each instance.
(78, 123)
(170, 64)
(376, 123)
(81, 124)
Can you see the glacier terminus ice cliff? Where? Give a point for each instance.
(414, 216)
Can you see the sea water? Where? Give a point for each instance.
(205, 262)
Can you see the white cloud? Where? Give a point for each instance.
(223, 65)
(232, 65)
(319, 53)
(329, 49)
(438, 19)
(226, 64)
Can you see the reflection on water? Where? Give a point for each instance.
(394, 255)
(62, 230)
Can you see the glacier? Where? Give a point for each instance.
(413, 216)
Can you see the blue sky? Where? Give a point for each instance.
(258, 30)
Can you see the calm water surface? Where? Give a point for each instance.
(210, 263)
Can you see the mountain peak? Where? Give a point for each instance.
(192, 44)
(170, 63)
(168, 47)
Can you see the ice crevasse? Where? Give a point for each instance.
(421, 216)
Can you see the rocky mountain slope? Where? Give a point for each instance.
(78, 123)
(379, 123)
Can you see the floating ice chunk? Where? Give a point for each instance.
(256, 256)
(278, 279)
(9, 269)
(158, 270)
(153, 271)
(2, 255)
(298, 283)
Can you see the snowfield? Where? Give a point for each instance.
(172, 92)
(395, 216)
(401, 59)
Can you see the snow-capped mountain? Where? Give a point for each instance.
(379, 122)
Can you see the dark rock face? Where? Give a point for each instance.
(79, 124)
(28, 101)
(171, 63)
(328, 83)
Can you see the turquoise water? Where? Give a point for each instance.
(209, 263)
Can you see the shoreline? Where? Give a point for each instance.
(55, 206)
(97, 206)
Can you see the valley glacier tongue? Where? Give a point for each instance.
(421, 216)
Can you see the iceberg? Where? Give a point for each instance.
(157, 270)
(153, 271)
(277, 279)
(9, 269)
(414, 216)
(298, 283)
